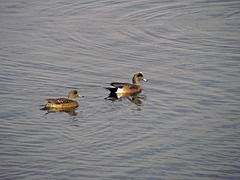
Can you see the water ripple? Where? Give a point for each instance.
(187, 124)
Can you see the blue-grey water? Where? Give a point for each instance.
(185, 124)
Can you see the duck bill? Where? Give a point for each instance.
(145, 80)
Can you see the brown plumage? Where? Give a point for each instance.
(69, 102)
(128, 88)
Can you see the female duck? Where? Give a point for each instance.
(69, 102)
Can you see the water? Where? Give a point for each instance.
(187, 123)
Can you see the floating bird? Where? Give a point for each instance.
(122, 88)
(69, 102)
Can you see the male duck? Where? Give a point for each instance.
(69, 102)
(127, 88)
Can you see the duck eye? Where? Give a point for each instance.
(75, 92)
(140, 75)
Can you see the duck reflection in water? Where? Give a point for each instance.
(134, 98)
(67, 105)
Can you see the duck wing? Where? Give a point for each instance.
(60, 100)
(119, 85)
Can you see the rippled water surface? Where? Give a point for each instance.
(185, 124)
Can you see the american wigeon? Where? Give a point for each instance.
(69, 102)
(128, 88)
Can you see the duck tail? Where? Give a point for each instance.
(112, 89)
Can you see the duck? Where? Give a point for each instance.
(127, 88)
(70, 102)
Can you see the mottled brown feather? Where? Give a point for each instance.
(64, 102)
